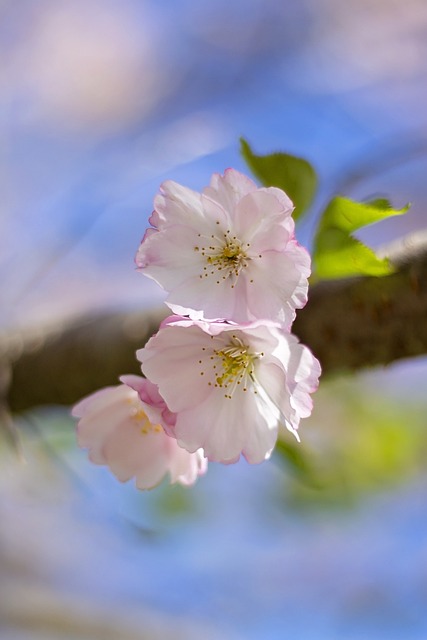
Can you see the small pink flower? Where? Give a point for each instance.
(230, 385)
(227, 253)
(125, 432)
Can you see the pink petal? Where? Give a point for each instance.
(230, 188)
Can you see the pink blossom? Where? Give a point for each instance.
(226, 253)
(230, 385)
(125, 432)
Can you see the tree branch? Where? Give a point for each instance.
(362, 322)
(348, 324)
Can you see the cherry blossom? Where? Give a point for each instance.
(122, 428)
(230, 385)
(227, 253)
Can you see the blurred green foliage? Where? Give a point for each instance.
(357, 441)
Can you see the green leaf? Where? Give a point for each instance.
(364, 445)
(337, 254)
(294, 175)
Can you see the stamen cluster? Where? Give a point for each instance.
(225, 259)
(230, 367)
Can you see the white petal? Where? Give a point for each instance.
(170, 257)
(175, 203)
(230, 188)
(98, 421)
(261, 212)
(263, 435)
(171, 360)
(98, 400)
(130, 453)
(185, 467)
(214, 426)
(278, 287)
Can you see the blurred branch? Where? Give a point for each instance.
(361, 322)
(349, 324)
(63, 363)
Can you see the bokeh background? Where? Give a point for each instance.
(100, 101)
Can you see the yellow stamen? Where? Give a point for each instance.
(225, 257)
(143, 423)
(232, 367)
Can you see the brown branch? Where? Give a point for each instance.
(363, 322)
(60, 365)
(349, 324)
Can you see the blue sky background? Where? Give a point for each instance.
(100, 101)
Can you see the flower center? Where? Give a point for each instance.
(225, 257)
(231, 260)
(142, 422)
(233, 367)
(237, 364)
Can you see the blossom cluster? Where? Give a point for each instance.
(224, 372)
